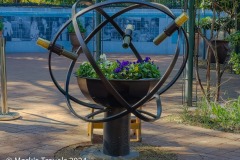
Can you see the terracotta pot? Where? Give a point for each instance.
(222, 51)
(197, 41)
(131, 90)
(74, 41)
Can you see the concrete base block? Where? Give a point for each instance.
(9, 116)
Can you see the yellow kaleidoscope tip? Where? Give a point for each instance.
(43, 43)
(181, 19)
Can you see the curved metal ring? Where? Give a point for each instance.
(126, 105)
(108, 85)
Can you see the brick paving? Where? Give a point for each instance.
(46, 124)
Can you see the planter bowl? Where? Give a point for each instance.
(222, 51)
(131, 90)
(74, 41)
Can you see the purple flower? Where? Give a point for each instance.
(139, 61)
(118, 62)
(117, 70)
(124, 63)
(147, 59)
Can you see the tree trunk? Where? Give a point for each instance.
(208, 76)
(237, 48)
(218, 78)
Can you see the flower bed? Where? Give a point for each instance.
(121, 69)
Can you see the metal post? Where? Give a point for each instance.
(116, 136)
(98, 35)
(189, 67)
(3, 79)
(4, 114)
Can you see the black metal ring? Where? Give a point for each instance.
(129, 108)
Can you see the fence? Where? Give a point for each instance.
(29, 23)
(23, 25)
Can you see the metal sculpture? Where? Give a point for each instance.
(116, 139)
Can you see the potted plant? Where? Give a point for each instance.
(219, 22)
(133, 80)
(72, 35)
(223, 11)
(219, 42)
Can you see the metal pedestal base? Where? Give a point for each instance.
(95, 152)
(9, 116)
(116, 134)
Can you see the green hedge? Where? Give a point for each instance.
(69, 3)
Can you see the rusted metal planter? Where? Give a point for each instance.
(131, 90)
(222, 51)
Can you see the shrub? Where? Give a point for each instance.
(224, 117)
(70, 28)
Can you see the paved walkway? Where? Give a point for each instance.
(46, 124)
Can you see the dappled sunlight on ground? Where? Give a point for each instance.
(46, 124)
